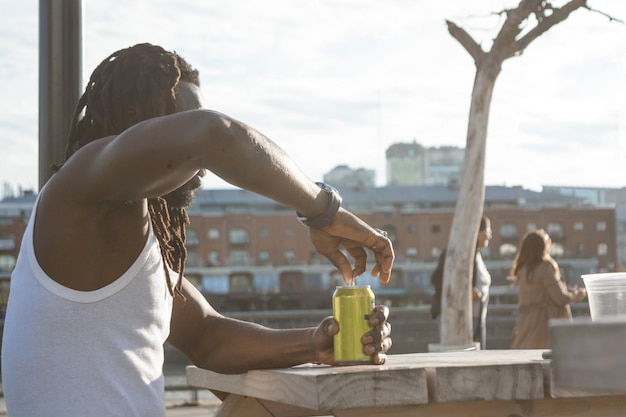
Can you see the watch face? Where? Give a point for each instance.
(325, 187)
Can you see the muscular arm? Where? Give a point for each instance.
(227, 345)
(159, 155)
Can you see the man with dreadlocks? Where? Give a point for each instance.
(99, 284)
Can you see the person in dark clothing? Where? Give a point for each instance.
(481, 280)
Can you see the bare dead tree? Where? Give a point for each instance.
(539, 16)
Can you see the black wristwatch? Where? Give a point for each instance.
(322, 220)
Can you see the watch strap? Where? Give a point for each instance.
(322, 220)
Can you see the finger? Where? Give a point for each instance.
(381, 312)
(360, 260)
(384, 256)
(342, 264)
(379, 359)
(332, 326)
(377, 336)
(386, 330)
(381, 345)
(387, 343)
(374, 340)
(385, 263)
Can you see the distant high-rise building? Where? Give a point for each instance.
(414, 164)
(344, 176)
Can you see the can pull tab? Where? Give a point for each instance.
(352, 282)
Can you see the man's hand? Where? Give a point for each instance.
(376, 342)
(352, 234)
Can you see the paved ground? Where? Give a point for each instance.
(174, 409)
(203, 409)
(178, 405)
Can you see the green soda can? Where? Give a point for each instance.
(352, 307)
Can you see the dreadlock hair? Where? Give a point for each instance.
(129, 86)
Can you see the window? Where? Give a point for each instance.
(240, 283)
(555, 230)
(601, 226)
(192, 238)
(214, 258)
(580, 249)
(239, 257)
(289, 232)
(435, 252)
(264, 257)
(7, 242)
(213, 234)
(579, 226)
(435, 229)
(7, 262)
(603, 249)
(291, 282)
(315, 258)
(192, 259)
(556, 250)
(507, 250)
(508, 231)
(531, 226)
(411, 252)
(263, 233)
(239, 237)
(289, 256)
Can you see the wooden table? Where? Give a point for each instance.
(498, 383)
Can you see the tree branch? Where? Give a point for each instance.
(558, 15)
(504, 43)
(608, 16)
(466, 41)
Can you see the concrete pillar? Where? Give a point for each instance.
(60, 78)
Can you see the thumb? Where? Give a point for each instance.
(330, 326)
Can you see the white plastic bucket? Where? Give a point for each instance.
(606, 294)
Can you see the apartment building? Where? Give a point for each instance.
(240, 243)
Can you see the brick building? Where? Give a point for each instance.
(242, 243)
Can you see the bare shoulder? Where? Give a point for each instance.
(75, 180)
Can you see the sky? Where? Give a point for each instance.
(336, 82)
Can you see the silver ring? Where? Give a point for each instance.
(382, 232)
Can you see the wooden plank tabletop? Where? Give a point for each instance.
(403, 381)
(320, 387)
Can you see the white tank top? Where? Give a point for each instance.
(98, 353)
